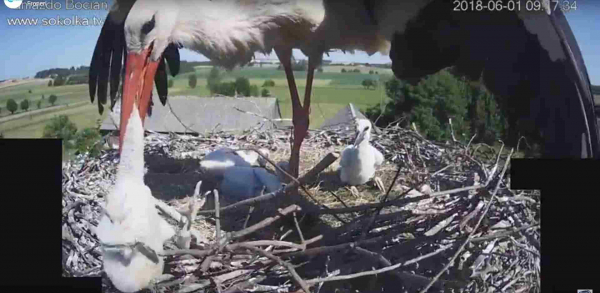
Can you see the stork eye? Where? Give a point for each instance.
(148, 26)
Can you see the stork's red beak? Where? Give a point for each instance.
(137, 87)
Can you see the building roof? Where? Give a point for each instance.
(205, 115)
(344, 119)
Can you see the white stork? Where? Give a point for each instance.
(241, 158)
(237, 183)
(146, 33)
(131, 231)
(518, 54)
(360, 160)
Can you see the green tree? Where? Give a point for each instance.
(192, 80)
(12, 106)
(25, 105)
(268, 83)
(265, 93)
(254, 91)
(371, 72)
(356, 70)
(43, 97)
(242, 86)
(486, 120)
(320, 69)
(343, 70)
(366, 83)
(88, 140)
(226, 89)
(213, 80)
(430, 104)
(39, 104)
(171, 82)
(50, 83)
(52, 99)
(30, 91)
(58, 81)
(61, 127)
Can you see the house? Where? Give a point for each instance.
(263, 60)
(193, 114)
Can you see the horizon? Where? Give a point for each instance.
(81, 40)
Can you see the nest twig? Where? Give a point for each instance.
(470, 233)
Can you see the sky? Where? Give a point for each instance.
(71, 41)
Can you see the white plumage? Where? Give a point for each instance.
(234, 174)
(241, 183)
(131, 231)
(360, 160)
(227, 157)
(151, 26)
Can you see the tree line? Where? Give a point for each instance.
(241, 85)
(12, 106)
(440, 97)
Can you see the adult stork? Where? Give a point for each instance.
(529, 59)
(146, 33)
(526, 55)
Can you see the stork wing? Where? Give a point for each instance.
(346, 154)
(110, 54)
(531, 63)
(578, 73)
(378, 156)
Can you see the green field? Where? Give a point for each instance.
(332, 90)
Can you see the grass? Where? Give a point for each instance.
(66, 95)
(32, 126)
(332, 91)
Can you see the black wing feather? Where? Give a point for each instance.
(106, 62)
(114, 101)
(160, 79)
(580, 75)
(98, 56)
(172, 56)
(116, 64)
(107, 65)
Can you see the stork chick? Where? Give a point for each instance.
(226, 157)
(239, 183)
(359, 161)
(131, 231)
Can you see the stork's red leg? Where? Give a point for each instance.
(299, 113)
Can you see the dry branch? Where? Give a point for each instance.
(501, 250)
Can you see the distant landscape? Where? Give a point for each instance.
(332, 91)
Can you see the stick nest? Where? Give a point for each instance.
(447, 220)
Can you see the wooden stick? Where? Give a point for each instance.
(487, 208)
(272, 257)
(264, 223)
(374, 272)
(218, 218)
(298, 228)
